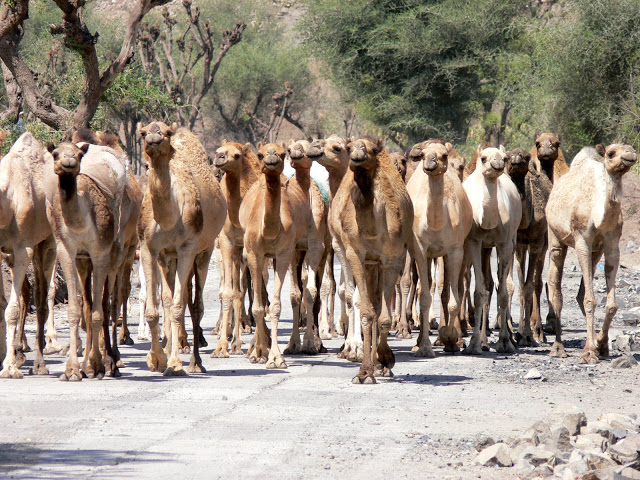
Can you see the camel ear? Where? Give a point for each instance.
(246, 148)
(479, 149)
(141, 130)
(600, 149)
(224, 140)
(535, 137)
(172, 129)
(502, 149)
(559, 138)
(291, 142)
(527, 157)
(84, 147)
(50, 147)
(379, 145)
(283, 145)
(259, 146)
(449, 146)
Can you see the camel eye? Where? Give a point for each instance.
(337, 148)
(236, 156)
(445, 157)
(537, 144)
(527, 157)
(483, 159)
(610, 154)
(261, 156)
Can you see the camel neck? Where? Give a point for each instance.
(303, 177)
(72, 210)
(234, 199)
(165, 211)
(490, 212)
(435, 194)
(364, 182)
(335, 178)
(272, 200)
(363, 196)
(547, 169)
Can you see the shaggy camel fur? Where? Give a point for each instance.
(275, 216)
(332, 154)
(497, 212)
(241, 170)
(85, 219)
(371, 217)
(24, 234)
(585, 212)
(182, 213)
(534, 189)
(310, 252)
(442, 219)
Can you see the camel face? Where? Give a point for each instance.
(435, 159)
(492, 162)
(363, 153)
(157, 137)
(618, 159)
(330, 152)
(229, 156)
(400, 161)
(271, 157)
(296, 152)
(547, 145)
(457, 163)
(518, 162)
(67, 157)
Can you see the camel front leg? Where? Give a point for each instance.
(537, 255)
(295, 347)
(201, 267)
(403, 328)
(258, 352)
(44, 259)
(312, 341)
(611, 263)
(584, 253)
(95, 367)
(328, 296)
(25, 300)
(3, 324)
(505, 262)
(473, 254)
(124, 338)
(143, 327)
(67, 259)
(156, 358)
(352, 349)
(229, 284)
(557, 255)
(281, 265)
(451, 334)
(387, 279)
(424, 272)
(52, 345)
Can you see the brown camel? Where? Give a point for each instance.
(497, 212)
(84, 187)
(584, 212)
(275, 217)
(371, 217)
(182, 212)
(310, 253)
(442, 220)
(241, 169)
(25, 234)
(534, 189)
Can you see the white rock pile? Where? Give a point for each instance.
(565, 446)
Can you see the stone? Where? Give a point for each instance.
(594, 459)
(622, 343)
(540, 455)
(543, 470)
(533, 374)
(559, 439)
(619, 420)
(605, 430)
(483, 441)
(630, 319)
(627, 473)
(529, 436)
(599, 474)
(497, 454)
(590, 441)
(624, 361)
(523, 468)
(572, 420)
(625, 451)
(570, 471)
(542, 429)
(623, 283)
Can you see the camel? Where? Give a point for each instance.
(400, 161)
(584, 212)
(275, 216)
(497, 212)
(310, 252)
(442, 219)
(241, 169)
(182, 213)
(25, 234)
(332, 154)
(371, 218)
(84, 188)
(533, 188)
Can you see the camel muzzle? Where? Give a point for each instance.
(153, 139)
(271, 160)
(220, 160)
(358, 156)
(430, 166)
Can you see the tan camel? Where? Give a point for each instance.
(533, 188)
(310, 253)
(241, 169)
(442, 219)
(182, 212)
(275, 217)
(585, 212)
(497, 212)
(25, 234)
(332, 154)
(371, 217)
(84, 187)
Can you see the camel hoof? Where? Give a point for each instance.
(196, 368)
(309, 350)
(186, 349)
(235, 350)
(415, 348)
(20, 359)
(588, 358)
(156, 363)
(355, 355)
(423, 352)
(247, 329)
(214, 331)
(603, 349)
(52, 348)
(293, 349)
(277, 362)
(364, 380)
(403, 333)
(433, 324)
(485, 348)
(39, 369)
(549, 328)
(525, 341)
(143, 338)
(558, 351)
(505, 346)
(174, 372)
(220, 353)
(451, 347)
(11, 372)
(325, 335)
(127, 340)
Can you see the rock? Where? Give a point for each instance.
(533, 374)
(523, 468)
(530, 436)
(627, 472)
(623, 283)
(600, 474)
(591, 441)
(542, 429)
(594, 459)
(543, 470)
(483, 441)
(540, 455)
(619, 420)
(572, 419)
(626, 450)
(622, 343)
(559, 439)
(630, 319)
(624, 361)
(571, 471)
(605, 430)
(497, 454)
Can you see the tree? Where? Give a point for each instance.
(76, 37)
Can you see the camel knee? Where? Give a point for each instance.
(296, 298)
(611, 309)
(12, 313)
(258, 311)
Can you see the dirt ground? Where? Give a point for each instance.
(308, 421)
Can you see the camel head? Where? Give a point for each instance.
(456, 162)
(97, 138)
(434, 155)
(400, 161)
(547, 146)
(330, 152)
(157, 139)
(296, 152)
(229, 156)
(271, 156)
(518, 162)
(492, 161)
(363, 153)
(67, 157)
(618, 158)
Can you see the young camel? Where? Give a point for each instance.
(534, 189)
(84, 188)
(25, 234)
(182, 213)
(275, 216)
(241, 170)
(310, 252)
(442, 220)
(497, 212)
(371, 217)
(332, 154)
(585, 212)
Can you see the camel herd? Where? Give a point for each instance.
(403, 226)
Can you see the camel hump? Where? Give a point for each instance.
(107, 168)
